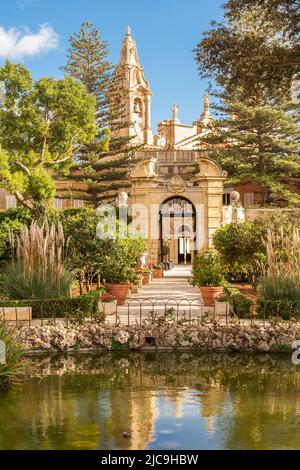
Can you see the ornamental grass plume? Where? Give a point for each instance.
(281, 278)
(38, 268)
(283, 252)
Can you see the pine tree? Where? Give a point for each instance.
(103, 165)
(255, 48)
(259, 144)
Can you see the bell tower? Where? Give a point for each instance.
(133, 95)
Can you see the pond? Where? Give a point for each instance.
(159, 400)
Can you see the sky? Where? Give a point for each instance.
(36, 33)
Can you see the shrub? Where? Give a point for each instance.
(207, 271)
(280, 297)
(240, 245)
(86, 252)
(118, 265)
(11, 221)
(82, 306)
(90, 255)
(38, 269)
(240, 305)
(242, 249)
(15, 362)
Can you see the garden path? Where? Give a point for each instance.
(175, 284)
(173, 291)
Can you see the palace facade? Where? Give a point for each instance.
(176, 189)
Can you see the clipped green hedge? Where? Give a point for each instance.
(72, 307)
(277, 308)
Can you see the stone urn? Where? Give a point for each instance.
(119, 291)
(209, 294)
(142, 260)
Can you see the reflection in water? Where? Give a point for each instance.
(166, 401)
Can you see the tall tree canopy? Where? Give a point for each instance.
(260, 144)
(43, 124)
(255, 51)
(103, 163)
(87, 62)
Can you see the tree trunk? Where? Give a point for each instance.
(80, 287)
(37, 212)
(87, 283)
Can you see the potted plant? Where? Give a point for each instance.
(208, 276)
(117, 281)
(118, 266)
(139, 280)
(134, 288)
(222, 304)
(146, 274)
(158, 271)
(136, 281)
(107, 304)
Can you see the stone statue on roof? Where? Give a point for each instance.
(206, 105)
(175, 110)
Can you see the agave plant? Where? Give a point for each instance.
(38, 268)
(15, 363)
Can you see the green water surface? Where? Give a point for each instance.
(162, 400)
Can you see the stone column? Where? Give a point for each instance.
(148, 137)
(214, 209)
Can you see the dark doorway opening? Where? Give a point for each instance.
(184, 252)
(177, 222)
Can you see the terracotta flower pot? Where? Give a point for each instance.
(119, 291)
(146, 278)
(209, 294)
(158, 273)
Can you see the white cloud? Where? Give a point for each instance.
(18, 43)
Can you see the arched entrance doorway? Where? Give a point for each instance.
(177, 222)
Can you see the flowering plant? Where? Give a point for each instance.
(144, 270)
(106, 297)
(157, 266)
(222, 297)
